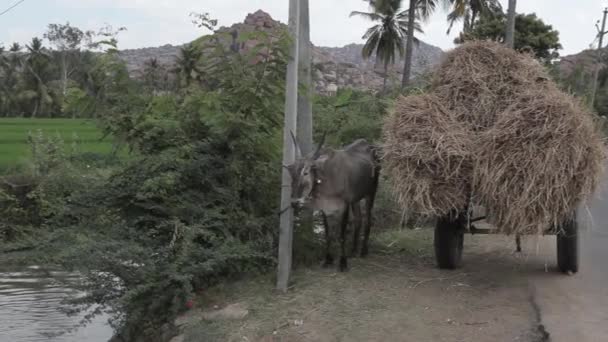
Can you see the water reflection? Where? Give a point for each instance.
(30, 302)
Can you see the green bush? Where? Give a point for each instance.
(349, 116)
(195, 204)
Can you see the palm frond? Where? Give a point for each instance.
(425, 8)
(366, 15)
(372, 30)
(453, 18)
(404, 24)
(371, 45)
(385, 7)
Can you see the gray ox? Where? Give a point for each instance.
(332, 181)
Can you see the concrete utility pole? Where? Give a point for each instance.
(305, 100)
(291, 109)
(601, 32)
(305, 215)
(510, 29)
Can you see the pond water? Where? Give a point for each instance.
(30, 303)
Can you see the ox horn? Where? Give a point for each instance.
(296, 145)
(318, 151)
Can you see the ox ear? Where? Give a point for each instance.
(318, 151)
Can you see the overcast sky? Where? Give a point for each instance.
(158, 22)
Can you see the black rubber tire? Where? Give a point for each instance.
(448, 241)
(567, 246)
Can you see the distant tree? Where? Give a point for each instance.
(469, 11)
(105, 39)
(4, 89)
(155, 75)
(36, 77)
(11, 70)
(386, 38)
(417, 9)
(68, 40)
(203, 20)
(16, 47)
(531, 34)
(187, 64)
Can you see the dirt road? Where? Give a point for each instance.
(398, 294)
(576, 308)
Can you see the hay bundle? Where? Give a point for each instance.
(538, 162)
(493, 127)
(480, 79)
(427, 152)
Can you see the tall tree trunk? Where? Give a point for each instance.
(41, 93)
(510, 29)
(291, 108)
(409, 48)
(472, 23)
(385, 77)
(35, 111)
(64, 73)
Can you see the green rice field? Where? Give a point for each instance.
(15, 150)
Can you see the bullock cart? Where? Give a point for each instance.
(493, 130)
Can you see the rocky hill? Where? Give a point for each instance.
(583, 62)
(334, 67)
(345, 67)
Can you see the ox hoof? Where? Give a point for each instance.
(343, 264)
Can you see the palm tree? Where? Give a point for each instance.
(155, 75)
(10, 72)
(16, 47)
(36, 66)
(385, 38)
(4, 89)
(421, 9)
(470, 10)
(187, 64)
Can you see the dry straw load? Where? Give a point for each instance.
(495, 128)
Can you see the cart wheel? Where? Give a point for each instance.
(567, 246)
(449, 238)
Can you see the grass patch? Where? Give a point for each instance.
(15, 150)
(411, 241)
(316, 293)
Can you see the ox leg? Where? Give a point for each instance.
(329, 259)
(356, 209)
(518, 242)
(344, 225)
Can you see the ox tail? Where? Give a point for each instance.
(376, 155)
(376, 175)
